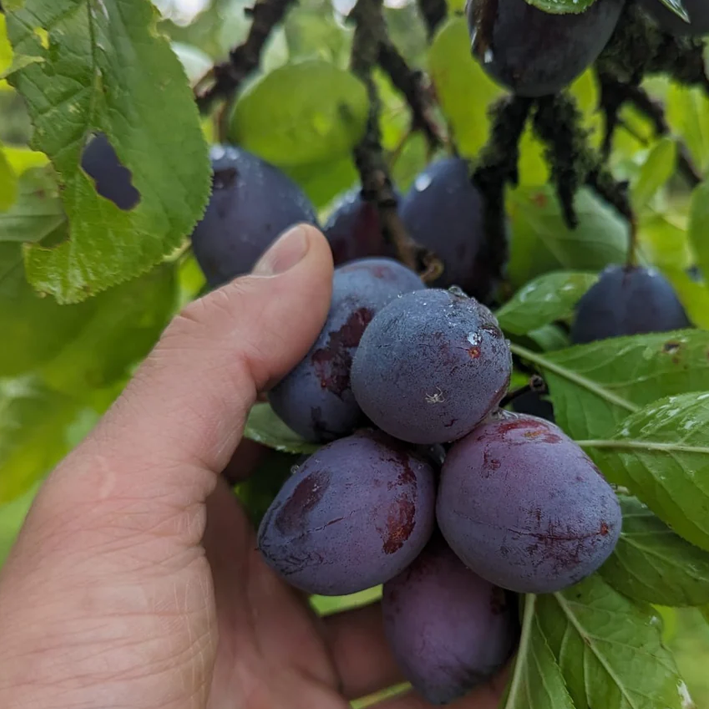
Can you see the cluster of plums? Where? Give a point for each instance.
(424, 484)
(535, 53)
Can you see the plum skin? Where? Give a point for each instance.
(354, 515)
(449, 630)
(524, 507)
(627, 301)
(315, 399)
(252, 203)
(354, 230)
(535, 53)
(443, 202)
(112, 179)
(430, 367)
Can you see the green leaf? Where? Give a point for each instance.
(661, 454)
(609, 649)
(699, 225)
(542, 301)
(125, 325)
(541, 242)
(657, 168)
(263, 426)
(34, 328)
(33, 421)
(324, 181)
(463, 89)
(301, 113)
(693, 295)
(195, 62)
(108, 70)
(651, 563)
(687, 111)
(537, 682)
(664, 240)
(8, 183)
(37, 212)
(562, 7)
(595, 386)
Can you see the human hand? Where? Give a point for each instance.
(136, 582)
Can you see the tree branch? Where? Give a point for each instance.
(224, 79)
(497, 167)
(412, 84)
(370, 34)
(433, 13)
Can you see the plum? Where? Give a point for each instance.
(524, 507)
(354, 515)
(698, 11)
(315, 399)
(449, 629)
(252, 203)
(354, 230)
(627, 301)
(535, 53)
(112, 179)
(443, 211)
(430, 366)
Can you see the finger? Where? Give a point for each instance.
(360, 651)
(179, 421)
(486, 696)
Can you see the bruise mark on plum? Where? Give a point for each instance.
(535, 430)
(604, 529)
(474, 352)
(400, 524)
(307, 494)
(333, 362)
(490, 464)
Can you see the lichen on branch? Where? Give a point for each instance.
(370, 34)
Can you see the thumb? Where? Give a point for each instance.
(180, 419)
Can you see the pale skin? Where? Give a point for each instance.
(136, 583)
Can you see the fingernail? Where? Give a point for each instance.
(287, 251)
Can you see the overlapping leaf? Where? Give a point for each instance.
(595, 386)
(661, 453)
(609, 649)
(263, 426)
(651, 563)
(104, 68)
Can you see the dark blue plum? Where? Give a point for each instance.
(354, 515)
(443, 211)
(450, 630)
(354, 230)
(536, 53)
(431, 366)
(113, 181)
(698, 11)
(316, 399)
(524, 507)
(627, 301)
(252, 203)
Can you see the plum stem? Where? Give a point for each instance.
(224, 78)
(536, 384)
(377, 187)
